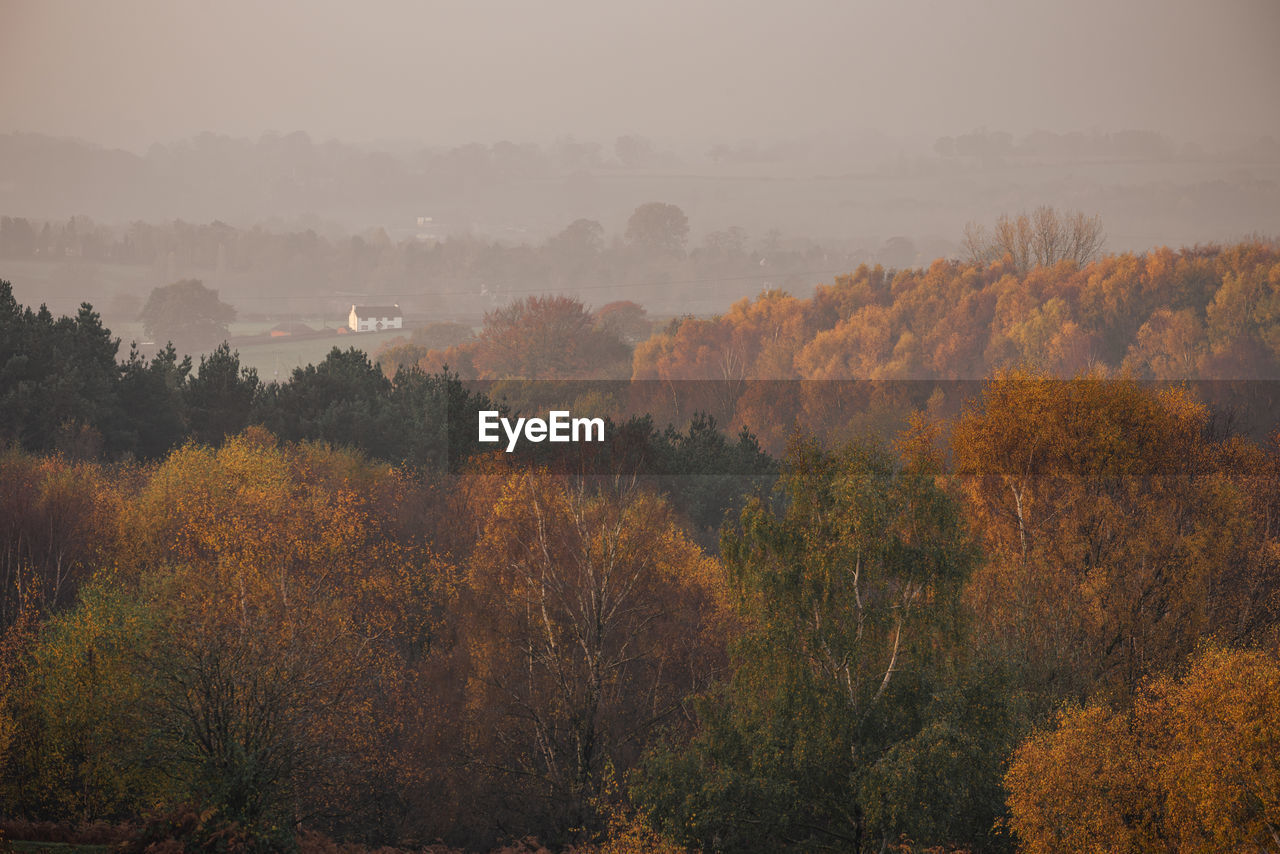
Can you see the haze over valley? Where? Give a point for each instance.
(798, 144)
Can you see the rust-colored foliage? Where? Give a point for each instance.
(300, 596)
(590, 618)
(1197, 313)
(1111, 524)
(1193, 766)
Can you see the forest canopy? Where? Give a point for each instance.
(923, 561)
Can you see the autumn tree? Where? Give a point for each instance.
(300, 597)
(1103, 509)
(690, 349)
(1169, 346)
(1242, 316)
(591, 618)
(58, 523)
(539, 338)
(80, 702)
(262, 710)
(398, 354)
(755, 340)
(1190, 766)
(401, 352)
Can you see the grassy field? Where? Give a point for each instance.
(63, 286)
(276, 359)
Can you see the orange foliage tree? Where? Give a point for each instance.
(1112, 527)
(298, 599)
(1193, 766)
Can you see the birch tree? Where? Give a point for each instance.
(848, 597)
(591, 617)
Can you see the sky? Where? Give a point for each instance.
(129, 73)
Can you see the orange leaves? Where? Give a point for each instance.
(960, 321)
(1103, 508)
(855, 348)
(1079, 788)
(1221, 773)
(299, 533)
(1194, 766)
(248, 505)
(1169, 346)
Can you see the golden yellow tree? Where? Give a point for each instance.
(1111, 525)
(297, 595)
(1192, 766)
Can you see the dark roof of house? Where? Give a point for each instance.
(376, 310)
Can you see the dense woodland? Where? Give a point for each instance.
(815, 592)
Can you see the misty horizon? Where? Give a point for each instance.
(130, 75)
(798, 141)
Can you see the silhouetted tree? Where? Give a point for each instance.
(1040, 240)
(188, 314)
(219, 399)
(151, 396)
(658, 229)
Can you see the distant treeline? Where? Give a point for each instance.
(1209, 313)
(772, 364)
(650, 261)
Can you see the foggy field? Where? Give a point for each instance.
(276, 359)
(65, 285)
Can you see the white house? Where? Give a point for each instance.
(375, 318)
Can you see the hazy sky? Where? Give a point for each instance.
(130, 73)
